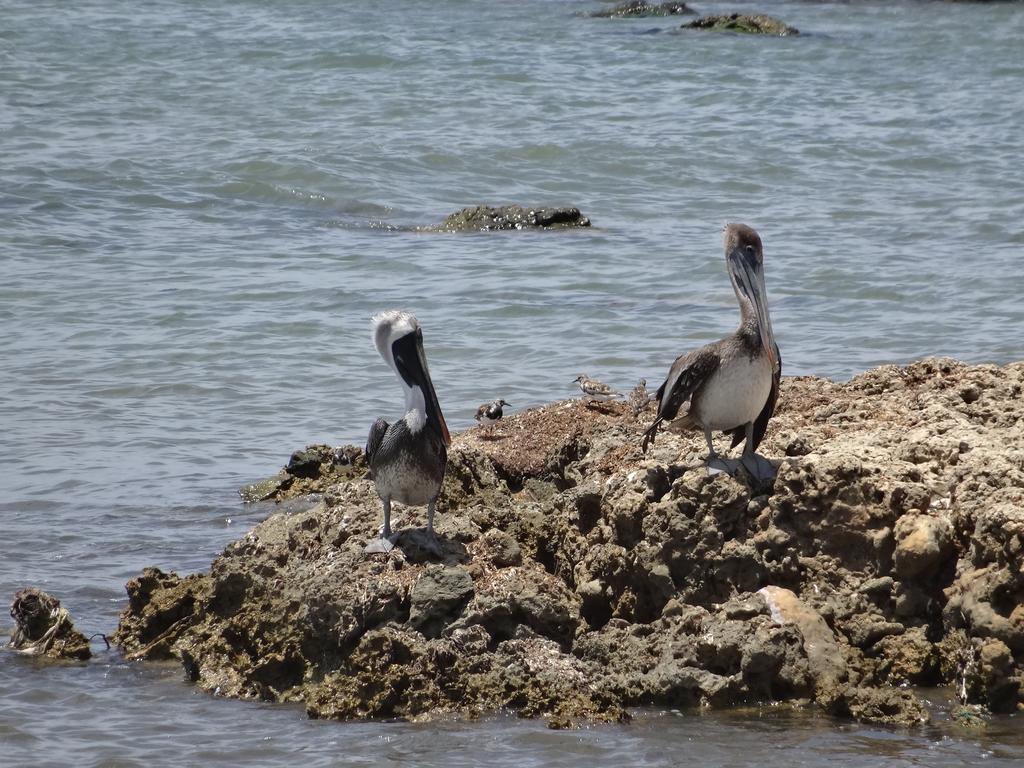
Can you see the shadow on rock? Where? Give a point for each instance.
(418, 547)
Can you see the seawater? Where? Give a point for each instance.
(202, 205)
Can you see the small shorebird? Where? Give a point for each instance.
(639, 397)
(732, 384)
(595, 390)
(489, 414)
(408, 458)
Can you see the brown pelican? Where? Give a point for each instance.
(732, 384)
(408, 458)
(595, 390)
(490, 414)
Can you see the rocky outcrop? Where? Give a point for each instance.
(43, 627)
(642, 9)
(308, 471)
(743, 24)
(482, 218)
(580, 577)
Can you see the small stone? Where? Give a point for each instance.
(745, 607)
(304, 463)
(865, 630)
(673, 608)
(471, 640)
(970, 394)
(504, 550)
(43, 627)
(437, 598)
(880, 586)
(922, 544)
(798, 446)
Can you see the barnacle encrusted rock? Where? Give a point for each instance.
(482, 218)
(580, 577)
(744, 24)
(43, 627)
(642, 8)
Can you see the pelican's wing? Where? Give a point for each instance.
(374, 439)
(687, 373)
(761, 423)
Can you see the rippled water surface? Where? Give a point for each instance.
(201, 205)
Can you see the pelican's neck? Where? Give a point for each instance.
(749, 324)
(415, 408)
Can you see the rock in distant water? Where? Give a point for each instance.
(43, 627)
(486, 218)
(741, 22)
(580, 577)
(640, 8)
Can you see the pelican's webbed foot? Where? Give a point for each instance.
(760, 469)
(717, 465)
(386, 541)
(381, 544)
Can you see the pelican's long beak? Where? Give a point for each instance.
(749, 277)
(411, 362)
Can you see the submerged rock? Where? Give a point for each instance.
(744, 24)
(580, 577)
(43, 627)
(486, 218)
(641, 8)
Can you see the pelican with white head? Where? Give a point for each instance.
(408, 458)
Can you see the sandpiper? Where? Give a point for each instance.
(488, 415)
(595, 390)
(639, 397)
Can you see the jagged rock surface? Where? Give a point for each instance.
(642, 9)
(580, 577)
(482, 218)
(43, 627)
(309, 470)
(744, 24)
